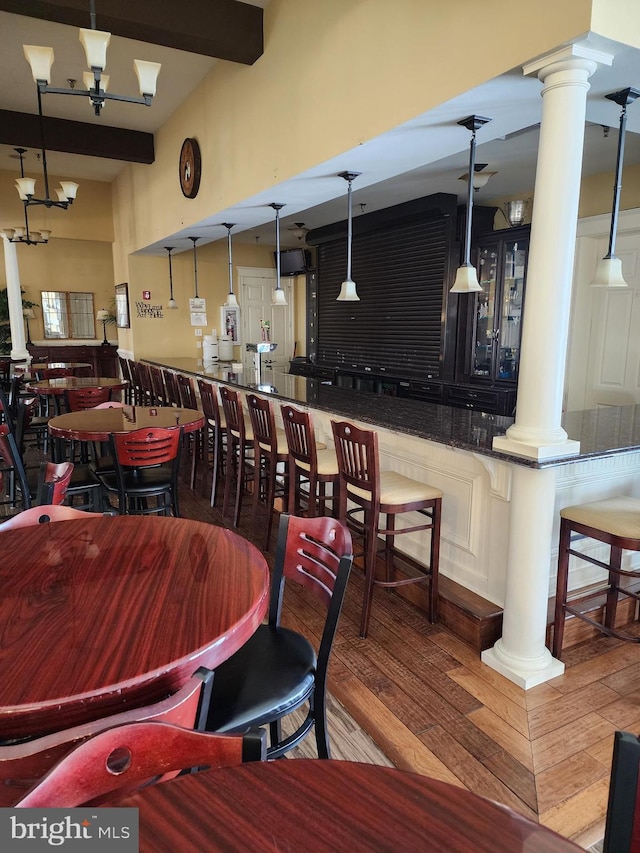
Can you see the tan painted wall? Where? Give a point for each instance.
(173, 335)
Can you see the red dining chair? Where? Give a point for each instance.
(44, 515)
(277, 670)
(147, 464)
(24, 764)
(53, 482)
(17, 488)
(79, 399)
(126, 756)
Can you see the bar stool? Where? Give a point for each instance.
(193, 440)
(615, 522)
(311, 466)
(171, 386)
(239, 455)
(387, 493)
(215, 432)
(269, 451)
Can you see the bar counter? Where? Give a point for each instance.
(601, 432)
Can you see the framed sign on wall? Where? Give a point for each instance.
(122, 306)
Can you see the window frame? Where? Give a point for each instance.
(69, 324)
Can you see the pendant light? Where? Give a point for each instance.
(172, 301)
(348, 291)
(466, 276)
(278, 297)
(195, 265)
(609, 269)
(231, 301)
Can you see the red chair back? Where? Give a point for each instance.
(79, 399)
(46, 514)
(53, 482)
(128, 755)
(146, 447)
(56, 372)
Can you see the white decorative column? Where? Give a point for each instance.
(520, 654)
(14, 298)
(537, 431)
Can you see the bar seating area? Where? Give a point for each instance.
(320, 426)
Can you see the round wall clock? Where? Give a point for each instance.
(190, 168)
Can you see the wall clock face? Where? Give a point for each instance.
(190, 168)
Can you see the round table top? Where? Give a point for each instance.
(64, 383)
(99, 424)
(102, 614)
(316, 805)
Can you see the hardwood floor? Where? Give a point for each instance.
(430, 706)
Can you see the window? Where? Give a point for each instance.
(68, 315)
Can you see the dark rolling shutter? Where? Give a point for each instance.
(397, 326)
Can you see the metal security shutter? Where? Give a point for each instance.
(397, 326)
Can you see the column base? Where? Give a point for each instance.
(534, 451)
(525, 672)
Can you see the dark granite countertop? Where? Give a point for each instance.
(601, 432)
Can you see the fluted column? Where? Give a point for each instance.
(520, 654)
(14, 298)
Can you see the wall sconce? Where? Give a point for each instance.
(348, 291)
(232, 301)
(515, 211)
(195, 265)
(466, 276)
(172, 302)
(278, 297)
(609, 269)
(28, 314)
(480, 177)
(103, 316)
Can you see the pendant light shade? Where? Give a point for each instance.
(195, 266)
(348, 292)
(172, 302)
(231, 300)
(609, 269)
(278, 297)
(466, 276)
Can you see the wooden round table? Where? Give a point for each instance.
(99, 424)
(314, 805)
(54, 365)
(57, 387)
(107, 613)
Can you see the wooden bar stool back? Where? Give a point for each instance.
(173, 391)
(125, 372)
(312, 466)
(616, 523)
(239, 456)
(270, 451)
(194, 440)
(387, 493)
(157, 383)
(216, 432)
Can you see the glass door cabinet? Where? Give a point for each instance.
(497, 327)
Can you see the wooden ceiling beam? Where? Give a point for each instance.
(224, 29)
(75, 137)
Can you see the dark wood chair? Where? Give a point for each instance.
(53, 373)
(616, 523)
(24, 764)
(147, 464)
(146, 393)
(125, 372)
(171, 386)
(79, 399)
(271, 463)
(157, 383)
(277, 670)
(194, 440)
(239, 452)
(17, 488)
(622, 826)
(375, 493)
(44, 515)
(125, 757)
(215, 433)
(53, 482)
(312, 467)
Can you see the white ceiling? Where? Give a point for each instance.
(423, 156)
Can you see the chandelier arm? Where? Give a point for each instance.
(43, 149)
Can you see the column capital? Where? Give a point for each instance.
(573, 56)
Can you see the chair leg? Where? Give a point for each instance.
(318, 706)
(561, 587)
(370, 547)
(615, 561)
(434, 592)
(275, 733)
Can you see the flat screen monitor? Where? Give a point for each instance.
(293, 261)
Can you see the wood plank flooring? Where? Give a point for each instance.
(427, 704)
